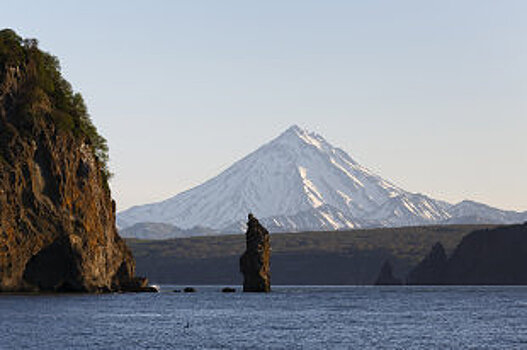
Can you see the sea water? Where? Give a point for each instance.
(291, 317)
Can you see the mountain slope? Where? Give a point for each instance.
(158, 230)
(473, 212)
(322, 218)
(296, 182)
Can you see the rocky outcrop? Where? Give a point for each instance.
(486, 257)
(255, 262)
(57, 218)
(431, 269)
(386, 277)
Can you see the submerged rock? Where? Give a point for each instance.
(255, 262)
(386, 277)
(57, 218)
(228, 290)
(138, 285)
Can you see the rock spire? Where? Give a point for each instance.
(255, 262)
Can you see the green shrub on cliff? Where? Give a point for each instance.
(45, 93)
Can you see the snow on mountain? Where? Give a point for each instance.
(408, 209)
(322, 218)
(296, 182)
(474, 212)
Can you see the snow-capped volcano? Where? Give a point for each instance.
(296, 182)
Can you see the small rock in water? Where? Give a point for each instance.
(228, 290)
(189, 290)
(139, 285)
(177, 290)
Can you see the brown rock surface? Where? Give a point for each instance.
(255, 262)
(57, 218)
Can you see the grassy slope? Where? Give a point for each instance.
(341, 257)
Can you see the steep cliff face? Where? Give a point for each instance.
(490, 257)
(255, 262)
(485, 257)
(57, 218)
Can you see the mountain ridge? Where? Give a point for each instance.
(300, 182)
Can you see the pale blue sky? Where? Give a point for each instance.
(432, 95)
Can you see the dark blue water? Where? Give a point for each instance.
(289, 317)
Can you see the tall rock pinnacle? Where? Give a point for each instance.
(255, 262)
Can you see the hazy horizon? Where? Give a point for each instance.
(428, 96)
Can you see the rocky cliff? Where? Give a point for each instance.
(57, 218)
(255, 262)
(431, 269)
(486, 257)
(386, 277)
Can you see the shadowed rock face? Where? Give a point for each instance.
(386, 277)
(431, 269)
(57, 218)
(486, 257)
(254, 263)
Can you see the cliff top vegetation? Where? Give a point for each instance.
(44, 93)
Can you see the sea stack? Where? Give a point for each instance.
(255, 262)
(57, 217)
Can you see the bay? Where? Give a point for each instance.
(292, 317)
